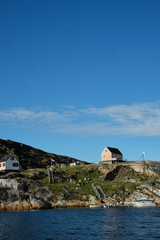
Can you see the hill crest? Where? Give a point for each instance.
(30, 157)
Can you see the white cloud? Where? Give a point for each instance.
(21, 114)
(138, 119)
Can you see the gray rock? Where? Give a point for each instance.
(10, 183)
(13, 183)
(92, 199)
(38, 203)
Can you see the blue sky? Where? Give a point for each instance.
(76, 76)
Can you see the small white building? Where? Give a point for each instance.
(9, 163)
(72, 164)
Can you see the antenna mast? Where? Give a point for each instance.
(143, 155)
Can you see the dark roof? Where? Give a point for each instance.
(114, 150)
(5, 158)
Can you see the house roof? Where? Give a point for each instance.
(5, 158)
(114, 150)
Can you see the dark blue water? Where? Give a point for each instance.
(99, 224)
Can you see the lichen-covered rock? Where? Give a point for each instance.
(38, 203)
(14, 199)
(10, 183)
(149, 168)
(14, 184)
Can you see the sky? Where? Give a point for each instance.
(79, 75)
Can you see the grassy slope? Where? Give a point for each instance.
(78, 181)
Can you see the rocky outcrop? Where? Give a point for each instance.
(150, 190)
(14, 199)
(145, 169)
(10, 183)
(21, 194)
(119, 172)
(38, 203)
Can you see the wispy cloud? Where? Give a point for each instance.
(138, 119)
(24, 115)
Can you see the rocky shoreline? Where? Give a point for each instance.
(17, 193)
(125, 182)
(30, 188)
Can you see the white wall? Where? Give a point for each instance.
(2, 168)
(9, 165)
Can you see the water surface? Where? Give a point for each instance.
(81, 224)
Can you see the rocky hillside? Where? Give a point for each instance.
(30, 157)
(30, 188)
(72, 187)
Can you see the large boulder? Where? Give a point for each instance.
(38, 203)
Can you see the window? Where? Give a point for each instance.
(106, 150)
(15, 164)
(104, 156)
(12, 157)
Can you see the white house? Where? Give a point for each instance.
(9, 163)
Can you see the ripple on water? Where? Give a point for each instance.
(80, 224)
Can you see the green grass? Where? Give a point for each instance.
(82, 178)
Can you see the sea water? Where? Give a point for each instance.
(81, 224)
